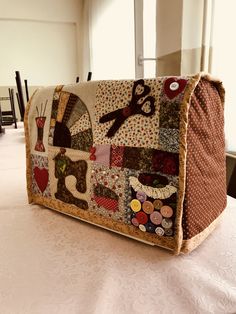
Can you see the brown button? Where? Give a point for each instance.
(148, 207)
(166, 211)
(157, 204)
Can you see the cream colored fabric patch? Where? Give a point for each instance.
(81, 125)
(40, 108)
(137, 130)
(64, 97)
(87, 93)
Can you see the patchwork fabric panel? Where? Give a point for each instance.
(108, 192)
(152, 202)
(70, 122)
(127, 113)
(143, 158)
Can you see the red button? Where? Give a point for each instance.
(135, 222)
(92, 150)
(142, 218)
(92, 157)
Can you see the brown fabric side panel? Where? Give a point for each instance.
(205, 195)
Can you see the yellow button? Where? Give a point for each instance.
(135, 205)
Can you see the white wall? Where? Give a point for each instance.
(224, 62)
(41, 40)
(169, 26)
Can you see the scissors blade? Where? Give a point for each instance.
(116, 125)
(110, 116)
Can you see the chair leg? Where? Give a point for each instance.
(89, 77)
(11, 95)
(26, 90)
(20, 95)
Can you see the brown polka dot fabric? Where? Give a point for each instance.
(205, 195)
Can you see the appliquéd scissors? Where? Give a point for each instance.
(139, 104)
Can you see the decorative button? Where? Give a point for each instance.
(174, 86)
(169, 232)
(92, 157)
(166, 211)
(142, 218)
(148, 207)
(150, 227)
(167, 223)
(156, 218)
(92, 150)
(135, 222)
(135, 205)
(159, 231)
(141, 196)
(142, 228)
(157, 204)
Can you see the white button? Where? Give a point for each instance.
(174, 86)
(142, 228)
(159, 231)
(167, 223)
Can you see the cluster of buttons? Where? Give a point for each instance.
(151, 216)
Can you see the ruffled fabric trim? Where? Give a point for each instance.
(161, 193)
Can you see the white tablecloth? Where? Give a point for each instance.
(51, 263)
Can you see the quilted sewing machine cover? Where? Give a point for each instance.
(143, 158)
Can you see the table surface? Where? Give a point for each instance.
(53, 264)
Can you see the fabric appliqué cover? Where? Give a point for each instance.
(131, 156)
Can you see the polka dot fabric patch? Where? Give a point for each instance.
(205, 187)
(137, 130)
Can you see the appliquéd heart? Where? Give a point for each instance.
(41, 178)
(173, 87)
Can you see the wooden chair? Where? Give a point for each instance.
(8, 117)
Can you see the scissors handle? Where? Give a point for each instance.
(140, 110)
(145, 92)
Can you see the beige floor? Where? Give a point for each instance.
(50, 263)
